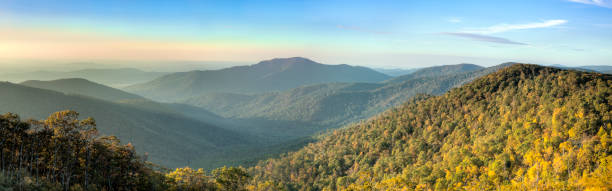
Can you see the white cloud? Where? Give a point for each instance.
(485, 38)
(509, 27)
(601, 3)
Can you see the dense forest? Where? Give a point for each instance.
(305, 95)
(525, 127)
(65, 153)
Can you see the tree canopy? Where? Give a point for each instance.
(525, 127)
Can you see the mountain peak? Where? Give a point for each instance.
(516, 68)
(287, 61)
(511, 75)
(266, 76)
(469, 65)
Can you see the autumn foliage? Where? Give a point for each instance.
(525, 127)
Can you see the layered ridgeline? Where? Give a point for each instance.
(602, 68)
(265, 137)
(248, 140)
(396, 72)
(112, 77)
(270, 75)
(438, 71)
(525, 127)
(599, 68)
(592, 68)
(292, 117)
(334, 104)
(162, 130)
(83, 87)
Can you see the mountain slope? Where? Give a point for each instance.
(270, 75)
(396, 72)
(524, 127)
(78, 86)
(82, 87)
(261, 143)
(334, 104)
(438, 71)
(169, 139)
(111, 77)
(601, 68)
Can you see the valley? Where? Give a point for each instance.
(356, 131)
(332, 95)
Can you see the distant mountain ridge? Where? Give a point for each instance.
(438, 71)
(606, 69)
(599, 68)
(335, 104)
(137, 120)
(116, 77)
(270, 75)
(83, 87)
(396, 71)
(169, 138)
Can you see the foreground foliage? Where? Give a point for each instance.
(169, 137)
(525, 127)
(65, 153)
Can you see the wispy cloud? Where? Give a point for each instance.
(485, 38)
(601, 3)
(483, 34)
(509, 27)
(359, 29)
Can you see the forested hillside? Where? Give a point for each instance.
(334, 104)
(438, 71)
(525, 127)
(169, 138)
(265, 76)
(62, 152)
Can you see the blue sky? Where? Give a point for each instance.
(385, 34)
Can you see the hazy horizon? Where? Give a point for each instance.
(346, 95)
(387, 34)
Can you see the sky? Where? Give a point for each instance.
(382, 34)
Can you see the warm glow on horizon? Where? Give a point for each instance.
(31, 43)
(382, 34)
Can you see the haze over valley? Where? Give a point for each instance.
(305, 95)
